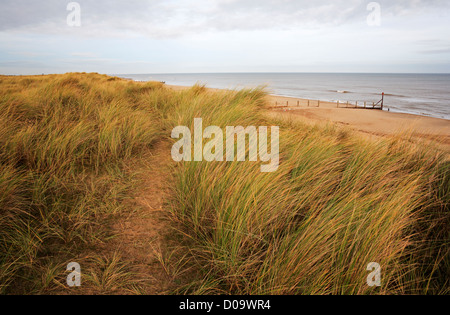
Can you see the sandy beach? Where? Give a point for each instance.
(367, 121)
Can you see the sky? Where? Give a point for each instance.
(210, 36)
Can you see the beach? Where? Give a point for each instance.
(369, 122)
(417, 94)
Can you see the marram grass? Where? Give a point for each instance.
(64, 143)
(337, 203)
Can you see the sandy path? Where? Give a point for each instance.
(143, 236)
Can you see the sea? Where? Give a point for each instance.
(419, 94)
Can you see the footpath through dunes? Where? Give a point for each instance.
(141, 255)
(83, 169)
(144, 235)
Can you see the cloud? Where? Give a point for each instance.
(433, 46)
(21, 64)
(174, 18)
(221, 35)
(84, 54)
(435, 51)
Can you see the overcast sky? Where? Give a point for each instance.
(188, 36)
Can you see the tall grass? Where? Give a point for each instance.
(337, 203)
(64, 141)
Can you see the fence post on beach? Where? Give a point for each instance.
(382, 101)
(364, 104)
(337, 104)
(308, 103)
(356, 106)
(298, 103)
(318, 103)
(287, 103)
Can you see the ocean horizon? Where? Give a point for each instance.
(419, 94)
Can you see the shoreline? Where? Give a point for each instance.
(370, 122)
(282, 99)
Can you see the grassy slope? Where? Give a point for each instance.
(337, 203)
(64, 141)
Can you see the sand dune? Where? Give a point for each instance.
(368, 121)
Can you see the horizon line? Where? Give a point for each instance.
(279, 72)
(251, 72)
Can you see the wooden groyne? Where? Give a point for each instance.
(317, 103)
(366, 105)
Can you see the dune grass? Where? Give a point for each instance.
(64, 142)
(337, 203)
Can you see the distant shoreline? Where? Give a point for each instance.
(368, 121)
(418, 94)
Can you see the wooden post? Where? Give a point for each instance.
(276, 103)
(318, 103)
(382, 101)
(364, 104)
(298, 103)
(356, 106)
(347, 105)
(337, 104)
(308, 103)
